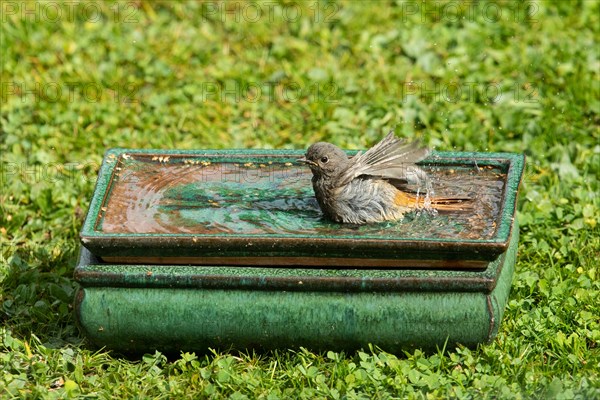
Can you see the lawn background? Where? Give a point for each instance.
(80, 77)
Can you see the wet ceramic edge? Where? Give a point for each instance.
(91, 272)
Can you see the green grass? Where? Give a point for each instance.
(84, 77)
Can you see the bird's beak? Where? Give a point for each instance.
(303, 160)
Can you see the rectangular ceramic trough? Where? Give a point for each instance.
(136, 308)
(185, 250)
(258, 208)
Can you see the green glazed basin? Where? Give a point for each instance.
(257, 207)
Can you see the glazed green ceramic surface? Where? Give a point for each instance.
(172, 308)
(92, 272)
(260, 204)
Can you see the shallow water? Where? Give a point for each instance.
(189, 196)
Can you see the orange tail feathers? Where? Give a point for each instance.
(439, 203)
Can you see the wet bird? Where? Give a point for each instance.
(373, 186)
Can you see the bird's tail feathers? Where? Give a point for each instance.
(438, 203)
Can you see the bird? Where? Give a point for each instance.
(372, 187)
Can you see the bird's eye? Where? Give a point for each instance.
(324, 159)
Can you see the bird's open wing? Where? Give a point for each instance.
(392, 158)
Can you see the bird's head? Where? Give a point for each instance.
(325, 159)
